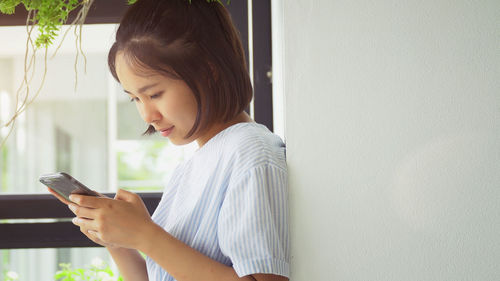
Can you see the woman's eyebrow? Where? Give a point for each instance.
(143, 89)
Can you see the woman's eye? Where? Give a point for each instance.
(133, 99)
(157, 95)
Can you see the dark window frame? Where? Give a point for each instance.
(59, 234)
(63, 234)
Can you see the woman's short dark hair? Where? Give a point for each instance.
(195, 41)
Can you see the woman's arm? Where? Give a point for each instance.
(186, 264)
(126, 223)
(131, 264)
(181, 261)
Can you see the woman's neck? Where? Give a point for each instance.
(219, 127)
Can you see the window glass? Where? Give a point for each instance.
(65, 128)
(90, 131)
(44, 264)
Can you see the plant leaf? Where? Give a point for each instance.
(9, 6)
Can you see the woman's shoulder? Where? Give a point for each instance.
(253, 144)
(250, 133)
(239, 148)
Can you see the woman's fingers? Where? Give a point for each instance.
(88, 228)
(82, 212)
(125, 195)
(65, 201)
(92, 235)
(111, 219)
(101, 195)
(95, 237)
(62, 199)
(83, 223)
(89, 201)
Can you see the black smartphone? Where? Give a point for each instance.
(65, 185)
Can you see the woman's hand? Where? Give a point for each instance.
(93, 238)
(116, 222)
(63, 200)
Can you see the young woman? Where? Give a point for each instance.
(224, 213)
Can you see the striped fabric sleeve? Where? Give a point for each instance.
(253, 222)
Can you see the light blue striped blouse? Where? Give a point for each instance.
(229, 201)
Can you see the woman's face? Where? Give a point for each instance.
(165, 103)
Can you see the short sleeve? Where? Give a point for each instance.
(253, 222)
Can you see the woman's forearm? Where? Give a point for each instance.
(131, 264)
(183, 262)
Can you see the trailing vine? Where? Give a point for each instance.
(48, 16)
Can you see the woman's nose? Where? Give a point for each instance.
(150, 113)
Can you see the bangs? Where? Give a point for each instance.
(138, 56)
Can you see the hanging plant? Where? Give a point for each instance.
(48, 16)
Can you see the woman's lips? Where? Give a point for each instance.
(167, 132)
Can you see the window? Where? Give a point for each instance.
(94, 133)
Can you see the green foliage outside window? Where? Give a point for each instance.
(7, 275)
(144, 162)
(98, 271)
(146, 155)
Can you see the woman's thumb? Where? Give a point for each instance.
(124, 195)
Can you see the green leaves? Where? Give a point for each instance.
(96, 272)
(48, 15)
(8, 6)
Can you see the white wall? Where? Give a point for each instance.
(393, 139)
